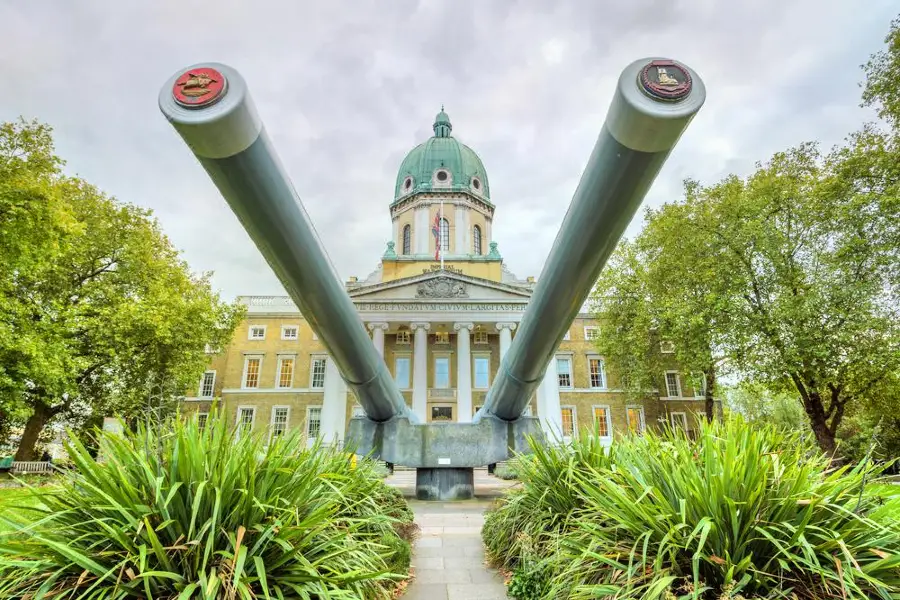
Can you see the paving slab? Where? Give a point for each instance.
(448, 557)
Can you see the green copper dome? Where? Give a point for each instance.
(442, 164)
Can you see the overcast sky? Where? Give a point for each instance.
(346, 89)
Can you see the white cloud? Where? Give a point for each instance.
(347, 90)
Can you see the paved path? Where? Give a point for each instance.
(448, 557)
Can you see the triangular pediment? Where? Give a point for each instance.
(441, 285)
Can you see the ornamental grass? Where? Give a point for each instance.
(739, 512)
(184, 512)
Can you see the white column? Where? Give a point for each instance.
(420, 368)
(421, 232)
(334, 405)
(463, 372)
(505, 330)
(486, 242)
(378, 330)
(459, 221)
(395, 226)
(549, 410)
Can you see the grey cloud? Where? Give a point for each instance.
(346, 89)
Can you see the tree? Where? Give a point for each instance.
(113, 313)
(805, 265)
(758, 404)
(641, 302)
(791, 276)
(621, 303)
(873, 425)
(882, 88)
(32, 219)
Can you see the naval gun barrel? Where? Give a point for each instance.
(654, 101)
(211, 108)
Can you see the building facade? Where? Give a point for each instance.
(442, 309)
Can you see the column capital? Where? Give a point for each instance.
(374, 326)
(510, 326)
(425, 326)
(467, 326)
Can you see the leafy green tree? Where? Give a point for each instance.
(757, 404)
(641, 301)
(805, 266)
(109, 317)
(622, 305)
(790, 277)
(33, 217)
(882, 87)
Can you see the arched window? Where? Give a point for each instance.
(477, 239)
(445, 235)
(406, 239)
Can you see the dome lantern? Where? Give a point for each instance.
(442, 126)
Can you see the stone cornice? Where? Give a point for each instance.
(455, 197)
(356, 293)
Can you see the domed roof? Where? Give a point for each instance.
(442, 163)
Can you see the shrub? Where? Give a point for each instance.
(507, 472)
(531, 516)
(512, 468)
(183, 513)
(740, 512)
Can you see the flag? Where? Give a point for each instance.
(436, 230)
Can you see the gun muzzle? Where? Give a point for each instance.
(655, 100)
(211, 108)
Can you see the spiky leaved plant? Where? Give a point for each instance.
(528, 520)
(183, 512)
(741, 512)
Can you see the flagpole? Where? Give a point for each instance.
(441, 244)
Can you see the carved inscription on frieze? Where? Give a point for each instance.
(440, 306)
(448, 268)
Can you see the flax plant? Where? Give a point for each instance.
(741, 511)
(184, 512)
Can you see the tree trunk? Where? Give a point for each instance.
(819, 423)
(33, 428)
(815, 411)
(710, 375)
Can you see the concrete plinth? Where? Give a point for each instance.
(442, 445)
(445, 483)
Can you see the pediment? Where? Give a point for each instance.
(441, 285)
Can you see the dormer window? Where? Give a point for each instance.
(442, 176)
(476, 183)
(407, 184)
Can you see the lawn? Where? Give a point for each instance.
(14, 502)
